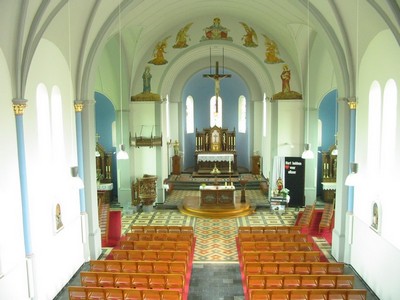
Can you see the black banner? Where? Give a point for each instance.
(294, 180)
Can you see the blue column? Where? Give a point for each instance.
(78, 105)
(19, 106)
(352, 145)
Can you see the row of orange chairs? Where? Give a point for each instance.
(160, 236)
(151, 270)
(272, 237)
(280, 256)
(291, 281)
(301, 268)
(97, 293)
(157, 245)
(161, 229)
(276, 246)
(269, 229)
(150, 255)
(130, 266)
(133, 280)
(259, 259)
(308, 294)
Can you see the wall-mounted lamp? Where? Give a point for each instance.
(122, 154)
(307, 154)
(76, 180)
(352, 178)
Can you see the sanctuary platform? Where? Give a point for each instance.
(192, 206)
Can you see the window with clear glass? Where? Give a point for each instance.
(189, 114)
(242, 114)
(374, 127)
(388, 133)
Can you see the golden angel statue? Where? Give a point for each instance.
(182, 37)
(249, 36)
(158, 53)
(271, 51)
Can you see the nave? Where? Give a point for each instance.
(216, 273)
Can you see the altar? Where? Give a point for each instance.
(217, 196)
(215, 148)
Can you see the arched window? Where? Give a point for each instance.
(215, 117)
(374, 128)
(189, 115)
(43, 123)
(242, 114)
(57, 130)
(388, 133)
(265, 116)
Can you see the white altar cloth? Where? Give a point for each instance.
(217, 187)
(215, 157)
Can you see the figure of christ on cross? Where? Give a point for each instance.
(217, 77)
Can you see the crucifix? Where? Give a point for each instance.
(217, 77)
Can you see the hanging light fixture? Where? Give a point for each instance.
(76, 180)
(335, 149)
(308, 154)
(121, 154)
(352, 178)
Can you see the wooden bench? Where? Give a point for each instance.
(269, 229)
(89, 293)
(133, 280)
(272, 237)
(151, 255)
(301, 268)
(295, 281)
(129, 266)
(326, 218)
(160, 228)
(276, 246)
(306, 217)
(307, 294)
(157, 245)
(158, 236)
(280, 256)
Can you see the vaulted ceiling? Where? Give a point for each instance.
(86, 31)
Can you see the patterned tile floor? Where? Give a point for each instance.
(215, 238)
(215, 274)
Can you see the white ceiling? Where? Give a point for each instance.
(83, 29)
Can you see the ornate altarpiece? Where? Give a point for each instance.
(215, 147)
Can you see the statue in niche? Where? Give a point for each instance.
(286, 92)
(182, 37)
(59, 223)
(375, 216)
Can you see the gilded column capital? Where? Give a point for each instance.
(78, 105)
(352, 102)
(19, 106)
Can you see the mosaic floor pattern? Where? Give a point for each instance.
(215, 238)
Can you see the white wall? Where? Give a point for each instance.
(56, 255)
(376, 255)
(12, 254)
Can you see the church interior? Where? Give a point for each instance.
(228, 133)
